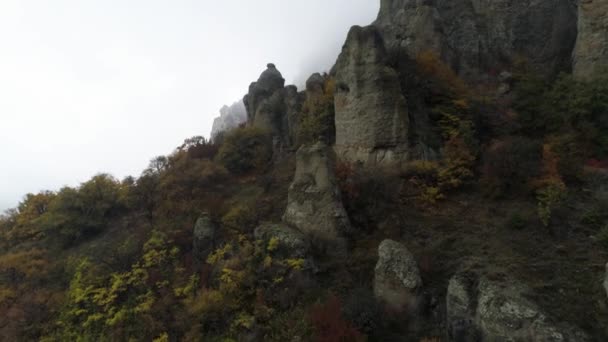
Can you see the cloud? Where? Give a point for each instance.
(104, 86)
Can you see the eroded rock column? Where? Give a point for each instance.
(314, 204)
(371, 114)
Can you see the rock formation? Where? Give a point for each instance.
(606, 280)
(272, 106)
(314, 204)
(371, 114)
(477, 37)
(397, 279)
(292, 243)
(479, 309)
(591, 53)
(204, 238)
(230, 117)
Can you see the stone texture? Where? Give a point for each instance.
(314, 205)
(397, 279)
(479, 309)
(591, 52)
(371, 114)
(292, 243)
(230, 117)
(204, 238)
(477, 37)
(460, 308)
(273, 107)
(606, 280)
(293, 101)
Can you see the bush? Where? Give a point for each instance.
(363, 310)
(602, 237)
(516, 222)
(317, 117)
(245, 149)
(329, 325)
(565, 106)
(77, 214)
(571, 155)
(199, 148)
(240, 217)
(457, 164)
(185, 183)
(510, 165)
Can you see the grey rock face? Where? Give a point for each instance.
(475, 36)
(292, 243)
(479, 309)
(314, 204)
(204, 238)
(230, 118)
(293, 106)
(272, 106)
(606, 280)
(397, 279)
(315, 83)
(371, 114)
(591, 53)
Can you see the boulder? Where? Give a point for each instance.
(204, 238)
(477, 37)
(292, 243)
(314, 203)
(591, 52)
(397, 279)
(371, 115)
(480, 309)
(460, 307)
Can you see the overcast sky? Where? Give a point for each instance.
(89, 86)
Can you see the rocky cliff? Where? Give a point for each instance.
(591, 53)
(371, 114)
(476, 37)
(230, 117)
(379, 115)
(272, 106)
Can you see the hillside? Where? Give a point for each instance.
(447, 180)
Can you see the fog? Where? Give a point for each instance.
(104, 86)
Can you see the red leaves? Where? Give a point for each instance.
(329, 325)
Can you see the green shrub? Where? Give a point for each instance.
(566, 105)
(76, 214)
(245, 149)
(363, 310)
(602, 237)
(317, 117)
(240, 217)
(516, 222)
(510, 165)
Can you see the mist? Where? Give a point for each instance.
(101, 86)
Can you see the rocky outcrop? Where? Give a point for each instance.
(314, 204)
(478, 37)
(230, 118)
(606, 280)
(480, 309)
(272, 106)
(293, 107)
(370, 110)
(397, 279)
(591, 52)
(204, 238)
(291, 243)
